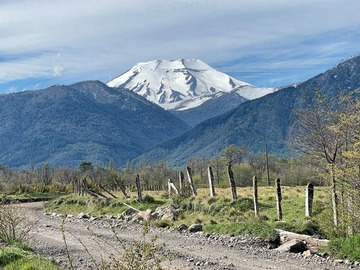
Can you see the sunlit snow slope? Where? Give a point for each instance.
(182, 84)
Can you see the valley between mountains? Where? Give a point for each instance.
(167, 110)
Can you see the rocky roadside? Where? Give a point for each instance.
(179, 248)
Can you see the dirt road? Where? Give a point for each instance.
(90, 242)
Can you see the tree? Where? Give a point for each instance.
(322, 134)
(86, 166)
(233, 154)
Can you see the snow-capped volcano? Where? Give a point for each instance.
(182, 84)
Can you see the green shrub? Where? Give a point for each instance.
(345, 248)
(18, 259)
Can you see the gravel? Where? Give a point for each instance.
(89, 242)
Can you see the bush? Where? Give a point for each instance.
(13, 226)
(345, 248)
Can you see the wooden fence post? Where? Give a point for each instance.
(278, 199)
(181, 183)
(192, 186)
(232, 182)
(211, 182)
(256, 206)
(171, 186)
(138, 187)
(309, 196)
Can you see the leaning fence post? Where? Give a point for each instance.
(192, 186)
(278, 199)
(138, 187)
(211, 182)
(256, 207)
(232, 183)
(309, 196)
(181, 183)
(171, 186)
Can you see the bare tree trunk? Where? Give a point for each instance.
(334, 195)
(211, 182)
(191, 182)
(309, 196)
(232, 182)
(181, 183)
(138, 187)
(278, 199)
(256, 206)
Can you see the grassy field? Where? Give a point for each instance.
(220, 213)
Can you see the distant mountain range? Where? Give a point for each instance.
(91, 121)
(268, 119)
(64, 125)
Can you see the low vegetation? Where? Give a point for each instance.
(19, 257)
(345, 248)
(14, 230)
(218, 214)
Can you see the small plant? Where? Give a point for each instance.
(13, 226)
(137, 254)
(140, 254)
(345, 248)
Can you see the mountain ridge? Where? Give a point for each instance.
(64, 125)
(268, 119)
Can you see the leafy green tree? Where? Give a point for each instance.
(323, 134)
(86, 166)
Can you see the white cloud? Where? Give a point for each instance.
(86, 39)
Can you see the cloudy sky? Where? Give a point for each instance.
(266, 43)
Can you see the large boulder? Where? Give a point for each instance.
(294, 245)
(166, 213)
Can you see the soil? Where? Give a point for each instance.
(90, 242)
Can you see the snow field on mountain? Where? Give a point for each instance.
(182, 84)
